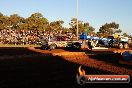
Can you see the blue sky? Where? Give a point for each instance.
(96, 12)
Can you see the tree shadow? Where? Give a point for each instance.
(111, 58)
(5, 51)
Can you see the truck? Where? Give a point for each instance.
(61, 41)
(119, 42)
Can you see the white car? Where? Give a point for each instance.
(58, 41)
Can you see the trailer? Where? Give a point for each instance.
(120, 42)
(110, 42)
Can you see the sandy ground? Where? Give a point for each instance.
(35, 68)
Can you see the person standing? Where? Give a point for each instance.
(90, 44)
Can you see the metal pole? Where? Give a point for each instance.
(77, 19)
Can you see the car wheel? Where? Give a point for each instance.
(121, 46)
(126, 46)
(43, 47)
(76, 46)
(52, 46)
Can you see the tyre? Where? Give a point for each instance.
(44, 47)
(69, 46)
(120, 46)
(76, 46)
(52, 46)
(126, 46)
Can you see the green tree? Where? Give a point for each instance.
(36, 22)
(125, 34)
(89, 29)
(73, 25)
(56, 27)
(3, 21)
(65, 30)
(14, 21)
(82, 27)
(109, 29)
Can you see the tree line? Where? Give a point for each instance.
(38, 22)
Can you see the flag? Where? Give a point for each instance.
(86, 30)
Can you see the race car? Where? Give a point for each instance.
(74, 46)
(61, 41)
(52, 43)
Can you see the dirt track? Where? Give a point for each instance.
(35, 68)
(88, 60)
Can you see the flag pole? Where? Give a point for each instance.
(77, 17)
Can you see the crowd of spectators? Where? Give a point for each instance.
(23, 37)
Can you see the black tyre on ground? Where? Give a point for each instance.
(76, 46)
(52, 46)
(120, 46)
(44, 47)
(126, 46)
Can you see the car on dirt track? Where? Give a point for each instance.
(57, 41)
(60, 41)
(74, 45)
